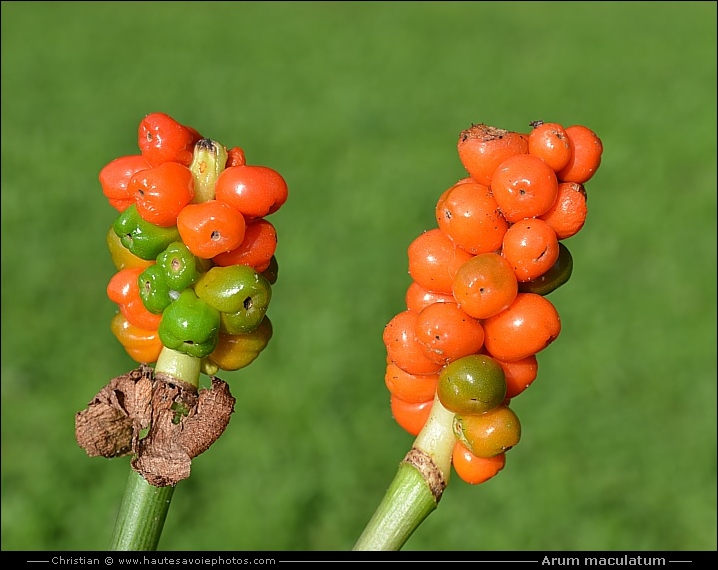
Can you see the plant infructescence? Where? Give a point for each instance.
(194, 254)
(477, 312)
(195, 260)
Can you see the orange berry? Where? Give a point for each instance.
(141, 344)
(402, 347)
(482, 148)
(568, 213)
(469, 215)
(586, 152)
(417, 297)
(531, 247)
(210, 228)
(489, 434)
(555, 277)
(256, 191)
(120, 205)
(524, 186)
(526, 327)
(115, 178)
(138, 315)
(445, 332)
(519, 374)
(256, 249)
(162, 139)
(161, 192)
(123, 289)
(475, 470)
(235, 157)
(549, 141)
(485, 285)
(410, 415)
(434, 260)
(410, 387)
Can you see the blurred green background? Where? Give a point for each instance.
(359, 106)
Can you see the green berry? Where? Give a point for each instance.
(240, 293)
(190, 325)
(143, 239)
(154, 290)
(180, 266)
(472, 385)
(559, 273)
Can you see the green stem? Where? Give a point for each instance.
(142, 515)
(144, 507)
(417, 487)
(179, 365)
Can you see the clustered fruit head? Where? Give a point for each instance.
(194, 252)
(476, 309)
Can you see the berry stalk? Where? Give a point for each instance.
(417, 487)
(144, 507)
(179, 365)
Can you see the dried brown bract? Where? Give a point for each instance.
(163, 422)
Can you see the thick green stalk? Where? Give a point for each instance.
(144, 507)
(406, 504)
(179, 365)
(142, 515)
(417, 487)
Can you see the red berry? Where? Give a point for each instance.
(161, 192)
(210, 228)
(162, 139)
(256, 191)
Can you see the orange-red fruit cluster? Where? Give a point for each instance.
(229, 228)
(497, 228)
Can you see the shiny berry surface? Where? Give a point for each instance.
(472, 385)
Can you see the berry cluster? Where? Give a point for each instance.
(193, 249)
(476, 309)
